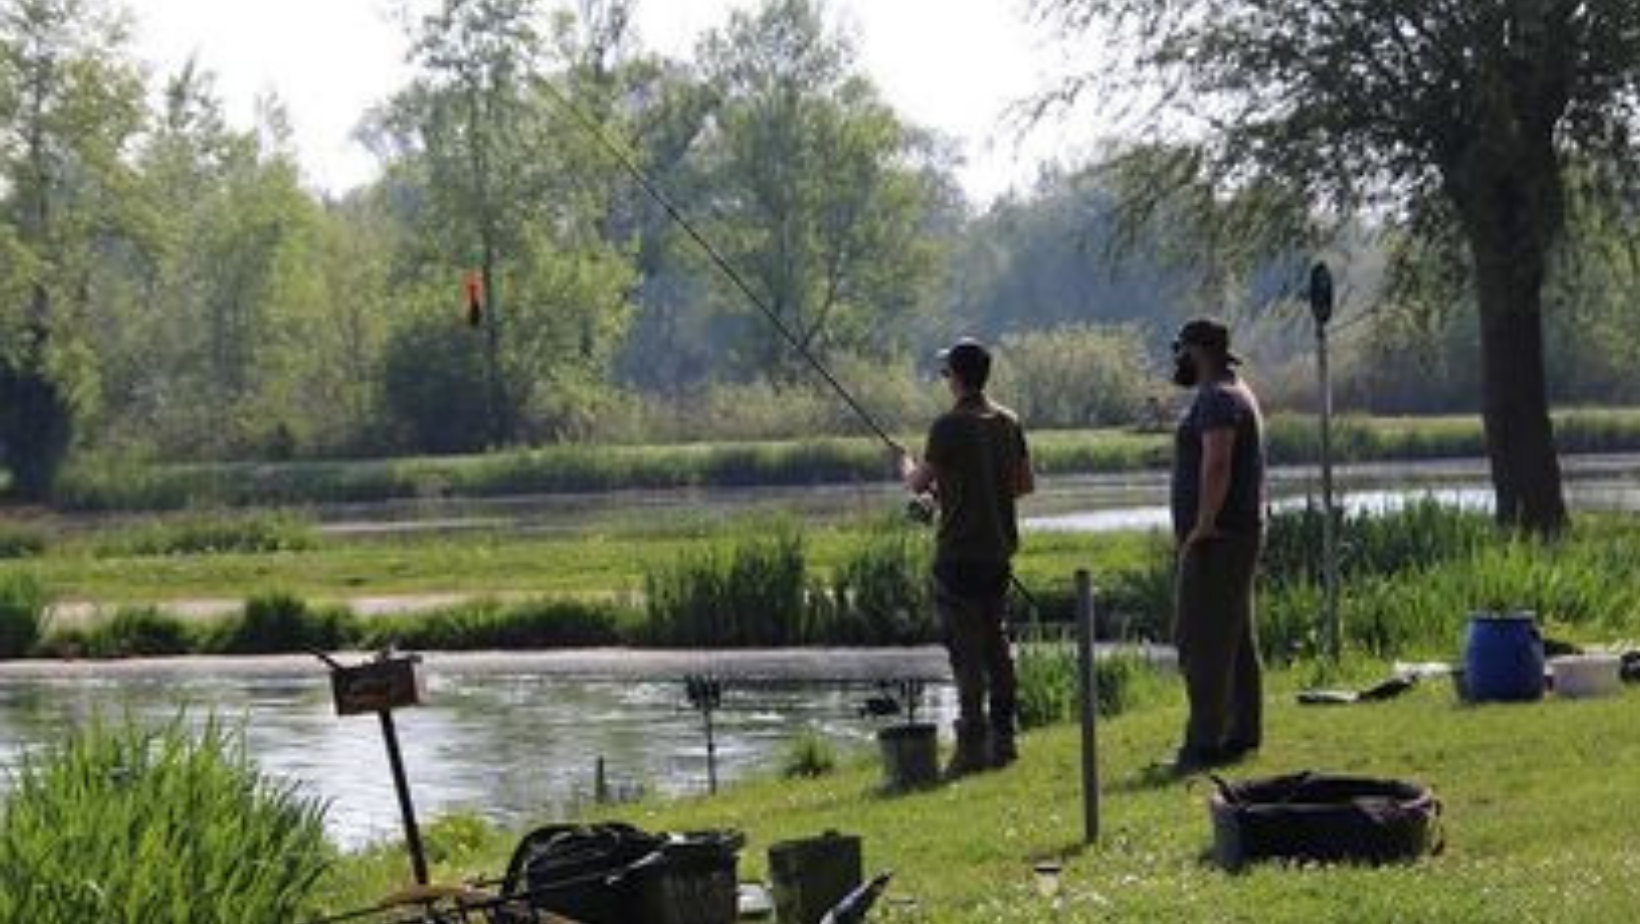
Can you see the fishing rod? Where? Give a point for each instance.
(676, 214)
(629, 164)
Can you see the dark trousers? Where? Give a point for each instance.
(975, 627)
(1218, 647)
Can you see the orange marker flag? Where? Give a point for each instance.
(474, 286)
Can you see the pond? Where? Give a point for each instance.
(515, 739)
(1082, 503)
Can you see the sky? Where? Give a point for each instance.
(955, 66)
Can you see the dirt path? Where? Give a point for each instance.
(80, 612)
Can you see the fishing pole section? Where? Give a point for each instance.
(921, 508)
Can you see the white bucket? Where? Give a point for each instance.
(1587, 675)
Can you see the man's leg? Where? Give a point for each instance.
(961, 623)
(1002, 681)
(1206, 641)
(1246, 731)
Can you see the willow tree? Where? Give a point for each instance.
(1383, 107)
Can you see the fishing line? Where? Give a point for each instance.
(629, 164)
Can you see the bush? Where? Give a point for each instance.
(141, 825)
(208, 534)
(880, 591)
(20, 540)
(810, 756)
(139, 632)
(752, 592)
(23, 602)
(281, 623)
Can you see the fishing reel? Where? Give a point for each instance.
(921, 508)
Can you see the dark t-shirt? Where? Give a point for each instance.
(1219, 405)
(977, 451)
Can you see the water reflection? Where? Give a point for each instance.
(513, 747)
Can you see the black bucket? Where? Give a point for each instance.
(1315, 818)
(911, 757)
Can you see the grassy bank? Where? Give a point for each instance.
(1539, 828)
(1412, 579)
(122, 484)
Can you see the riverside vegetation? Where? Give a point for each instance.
(1412, 577)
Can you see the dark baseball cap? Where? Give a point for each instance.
(968, 359)
(1210, 335)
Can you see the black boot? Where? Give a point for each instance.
(1004, 747)
(972, 752)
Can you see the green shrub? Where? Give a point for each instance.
(810, 756)
(21, 540)
(207, 534)
(1050, 684)
(23, 602)
(281, 623)
(139, 632)
(880, 591)
(490, 624)
(752, 591)
(156, 825)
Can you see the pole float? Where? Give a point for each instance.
(1090, 705)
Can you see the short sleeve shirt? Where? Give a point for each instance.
(1220, 405)
(977, 451)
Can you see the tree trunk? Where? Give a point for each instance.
(1512, 213)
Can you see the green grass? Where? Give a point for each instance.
(155, 825)
(1539, 821)
(210, 534)
(123, 484)
(598, 561)
(23, 600)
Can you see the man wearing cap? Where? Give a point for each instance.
(1218, 521)
(976, 465)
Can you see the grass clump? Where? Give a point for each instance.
(23, 602)
(21, 540)
(880, 591)
(132, 632)
(494, 625)
(277, 622)
(751, 591)
(809, 756)
(1050, 684)
(212, 534)
(156, 825)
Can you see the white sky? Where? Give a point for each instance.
(950, 65)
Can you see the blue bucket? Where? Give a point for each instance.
(1503, 658)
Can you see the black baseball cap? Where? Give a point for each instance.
(968, 359)
(1208, 334)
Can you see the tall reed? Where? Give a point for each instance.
(156, 826)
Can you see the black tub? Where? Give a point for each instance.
(1316, 818)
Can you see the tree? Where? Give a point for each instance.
(1468, 110)
(500, 179)
(815, 187)
(70, 102)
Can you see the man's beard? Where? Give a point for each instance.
(1185, 373)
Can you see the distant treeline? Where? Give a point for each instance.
(171, 288)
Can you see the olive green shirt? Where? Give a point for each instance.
(977, 451)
